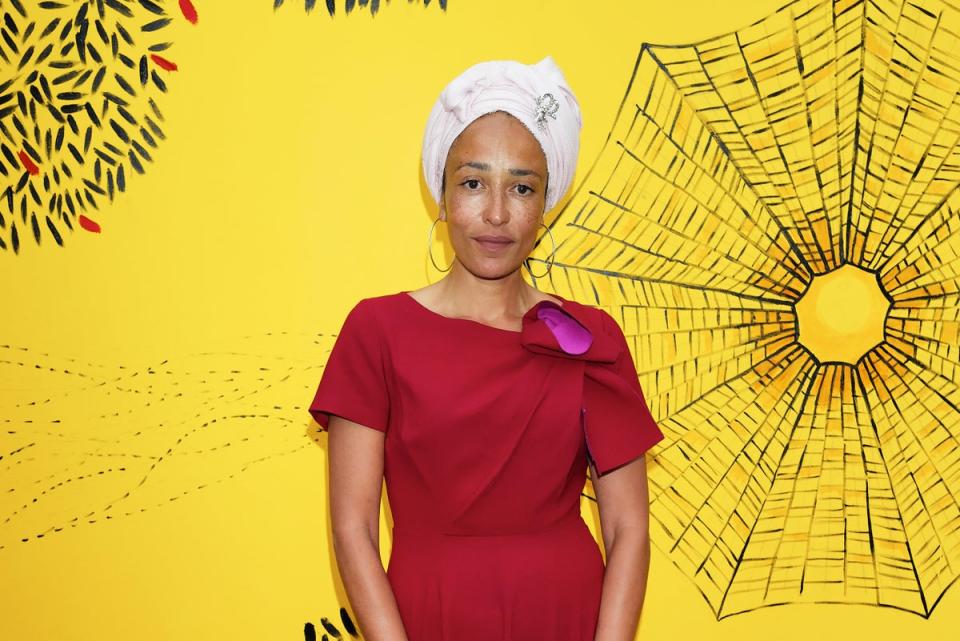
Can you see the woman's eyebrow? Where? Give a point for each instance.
(483, 166)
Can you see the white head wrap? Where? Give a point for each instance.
(537, 95)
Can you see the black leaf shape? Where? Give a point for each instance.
(156, 24)
(124, 34)
(119, 8)
(46, 87)
(107, 158)
(35, 227)
(94, 53)
(55, 113)
(157, 80)
(94, 187)
(45, 53)
(112, 97)
(152, 7)
(82, 78)
(140, 150)
(348, 622)
(126, 115)
(65, 77)
(10, 41)
(28, 31)
(97, 79)
(104, 38)
(135, 162)
(330, 628)
(75, 153)
(10, 24)
(124, 84)
(31, 152)
(148, 138)
(93, 115)
(50, 28)
(155, 128)
(120, 131)
(53, 231)
(25, 58)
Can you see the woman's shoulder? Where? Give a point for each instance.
(375, 307)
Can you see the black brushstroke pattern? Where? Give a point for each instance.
(349, 5)
(75, 99)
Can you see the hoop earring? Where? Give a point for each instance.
(430, 247)
(526, 261)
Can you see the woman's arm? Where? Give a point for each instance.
(356, 478)
(623, 499)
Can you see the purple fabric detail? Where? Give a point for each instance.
(573, 337)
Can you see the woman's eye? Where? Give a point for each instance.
(473, 183)
(522, 187)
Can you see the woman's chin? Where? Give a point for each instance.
(493, 268)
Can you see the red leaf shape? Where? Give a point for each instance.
(163, 63)
(27, 163)
(88, 224)
(189, 12)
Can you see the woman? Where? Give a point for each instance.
(481, 401)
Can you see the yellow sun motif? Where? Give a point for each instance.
(773, 221)
(841, 315)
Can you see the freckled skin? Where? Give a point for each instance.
(493, 200)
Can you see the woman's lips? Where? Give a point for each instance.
(493, 245)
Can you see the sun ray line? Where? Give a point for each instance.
(874, 120)
(789, 266)
(799, 257)
(793, 428)
(903, 121)
(868, 365)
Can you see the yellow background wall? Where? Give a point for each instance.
(161, 477)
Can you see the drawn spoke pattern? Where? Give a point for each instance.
(738, 171)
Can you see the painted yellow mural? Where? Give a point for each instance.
(194, 192)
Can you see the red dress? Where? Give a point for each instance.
(487, 433)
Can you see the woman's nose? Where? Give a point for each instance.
(496, 211)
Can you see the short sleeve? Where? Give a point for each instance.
(353, 384)
(617, 422)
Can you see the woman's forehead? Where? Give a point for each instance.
(492, 139)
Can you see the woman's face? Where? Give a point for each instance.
(494, 188)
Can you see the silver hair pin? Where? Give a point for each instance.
(547, 105)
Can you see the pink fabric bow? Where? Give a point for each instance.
(616, 420)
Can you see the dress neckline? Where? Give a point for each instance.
(418, 304)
